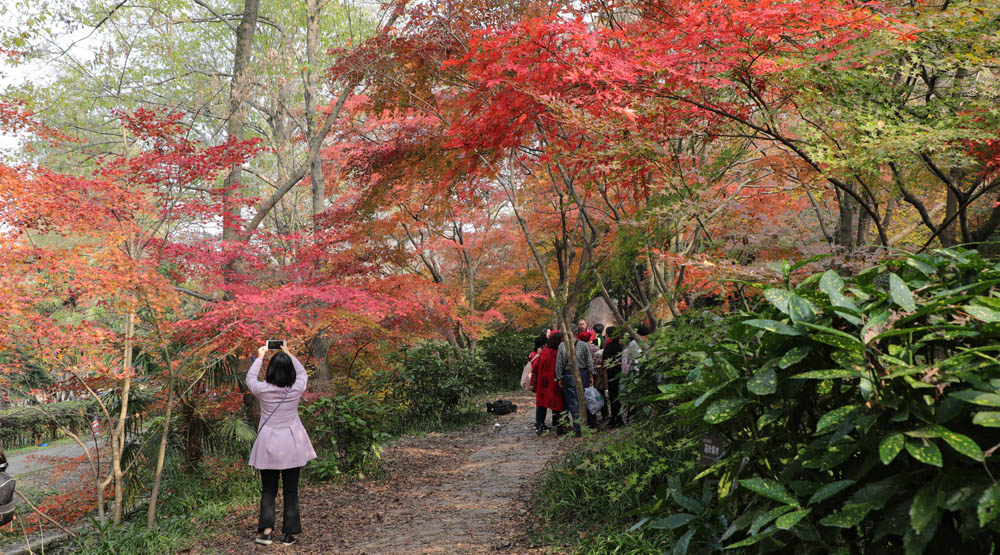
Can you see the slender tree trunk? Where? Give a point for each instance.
(161, 456)
(118, 440)
(194, 448)
(570, 340)
(864, 225)
(845, 225)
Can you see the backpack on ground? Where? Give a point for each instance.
(501, 407)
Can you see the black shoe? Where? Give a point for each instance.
(288, 540)
(265, 539)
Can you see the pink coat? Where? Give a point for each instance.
(282, 442)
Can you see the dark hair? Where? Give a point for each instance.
(555, 338)
(612, 333)
(280, 371)
(598, 328)
(540, 341)
(642, 330)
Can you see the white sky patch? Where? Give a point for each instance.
(53, 44)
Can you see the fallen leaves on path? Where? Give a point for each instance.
(462, 492)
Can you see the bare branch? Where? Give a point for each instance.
(211, 10)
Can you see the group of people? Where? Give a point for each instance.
(601, 360)
(283, 447)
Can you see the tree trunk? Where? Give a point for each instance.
(195, 442)
(319, 348)
(251, 408)
(570, 340)
(313, 11)
(947, 234)
(118, 437)
(845, 225)
(238, 90)
(864, 226)
(161, 456)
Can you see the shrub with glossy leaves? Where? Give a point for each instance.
(859, 415)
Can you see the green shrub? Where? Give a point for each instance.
(603, 484)
(506, 353)
(434, 378)
(856, 414)
(347, 432)
(24, 426)
(170, 534)
(673, 350)
(191, 506)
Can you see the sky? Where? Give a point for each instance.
(76, 43)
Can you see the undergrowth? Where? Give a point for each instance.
(192, 507)
(591, 495)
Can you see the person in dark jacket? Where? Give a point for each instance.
(599, 338)
(612, 363)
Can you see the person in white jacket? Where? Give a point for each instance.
(634, 351)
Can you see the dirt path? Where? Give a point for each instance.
(48, 457)
(463, 492)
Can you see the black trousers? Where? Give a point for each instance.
(291, 522)
(614, 385)
(540, 413)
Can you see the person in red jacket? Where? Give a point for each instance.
(548, 394)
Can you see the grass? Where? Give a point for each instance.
(32, 448)
(192, 508)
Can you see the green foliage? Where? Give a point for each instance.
(673, 350)
(133, 537)
(25, 426)
(506, 353)
(604, 484)
(347, 432)
(867, 433)
(191, 505)
(434, 378)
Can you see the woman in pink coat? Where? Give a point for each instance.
(282, 447)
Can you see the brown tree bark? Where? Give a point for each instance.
(319, 348)
(118, 432)
(238, 89)
(164, 435)
(314, 9)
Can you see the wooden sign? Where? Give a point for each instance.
(711, 449)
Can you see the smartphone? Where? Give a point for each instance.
(275, 344)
